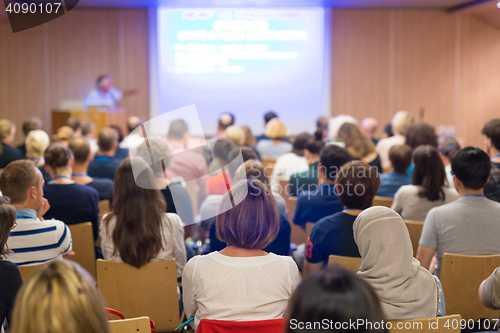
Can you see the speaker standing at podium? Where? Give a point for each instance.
(104, 94)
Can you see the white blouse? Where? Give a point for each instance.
(219, 287)
(173, 241)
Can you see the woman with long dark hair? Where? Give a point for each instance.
(428, 189)
(359, 146)
(138, 230)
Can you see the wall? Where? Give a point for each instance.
(441, 67)
(61, 60)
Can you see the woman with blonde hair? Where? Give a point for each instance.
(64, 135)
(36, 143)
(7, 152)
(359, 146)
(59, 297)
(276, 145)
(236, 134)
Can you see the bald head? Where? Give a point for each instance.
(81, 149)
(133, 122)
(369, 126)
(107, 140)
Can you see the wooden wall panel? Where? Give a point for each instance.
(479, 93)
(424, 65)
(360, 63)
(61, 60)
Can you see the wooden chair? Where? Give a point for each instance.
(83, 246)
(103, 208)
(132, 325)
(383, 201)
(147, 291)
(448, 324)
(26, 271)
(415, 230)
(350, 263)
(297, 235)
(268, 164)
(284, 188)
(461, 276)
(291, 203)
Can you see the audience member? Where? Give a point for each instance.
(226, 119)
(175, 194)
(489, 291)
(313, 205)
(447, 149)
(491, 133)
(421, 134)
(236, 134)
(358, 145)
(275, 145)
(322, 126)
(219, 183)
(400, 122)
(7, 152)
(468, 225)
(267, 118)
(105, 163)
(428, 189)
(70, 202)
(292, 162)
(253, 170)
(357, 183)
(60, 297)
(36, 143)
(32, 240)
(305, 180)
(88, 132)
(335, 123)
(64, 135)
(387, 131)
(228, 285)
(249, 137)
(83, 155)
(338, 296)
(28, 126)
(369, 128)
(400, 160)
(121, 153)
(9, 273)
(138, 230)
(406, 290)
(133, 139)
(188, 164)
(75, 125)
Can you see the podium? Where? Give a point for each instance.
(100, 117)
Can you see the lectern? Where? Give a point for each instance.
(100, 117)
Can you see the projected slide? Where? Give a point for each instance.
(246, 61)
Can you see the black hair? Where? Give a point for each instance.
(492, 131)
(316, 144)
(300, 142)
(388, 130)
(269, 115)
(332, 158)
(472, 167)
(429, 173)
(421, 134)
(337, 296)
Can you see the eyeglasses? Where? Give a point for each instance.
(14, 225)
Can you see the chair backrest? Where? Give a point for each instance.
(309, 226)
(83, 246)
(260, 326)
(132, 325)
(448, 324)
(103, 208)
(291, 203)
(350, 263)
(284, 188)
(268, 164)
(383, 201)
(461, 276)
(147, 291)
(26, 271)
(297, 234)
(415, 230)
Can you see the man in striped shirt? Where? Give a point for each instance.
(32, 240)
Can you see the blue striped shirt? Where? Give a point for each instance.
(33, 242)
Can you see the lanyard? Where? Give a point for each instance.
(495, 156)
(473, 195)
(79, 175)
(23, 217)
(58, 177)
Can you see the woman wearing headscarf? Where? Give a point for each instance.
(406, 290)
